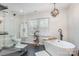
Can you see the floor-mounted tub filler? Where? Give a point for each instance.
(59, 48)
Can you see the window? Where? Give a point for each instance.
(38, 24)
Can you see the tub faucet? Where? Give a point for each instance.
(60, 32)
(36, 36)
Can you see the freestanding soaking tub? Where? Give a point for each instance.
(59, 48)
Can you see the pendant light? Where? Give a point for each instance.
(55, 11)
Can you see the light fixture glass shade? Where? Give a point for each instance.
(55, 12)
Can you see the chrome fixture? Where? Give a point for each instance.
(36, 36)
(14, 14)
(55, 11)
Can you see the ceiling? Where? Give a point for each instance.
(24, 8)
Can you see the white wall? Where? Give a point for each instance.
(54, 22)
(73, 24)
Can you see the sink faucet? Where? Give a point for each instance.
(60, 32)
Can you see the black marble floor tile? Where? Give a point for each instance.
(31, 50)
